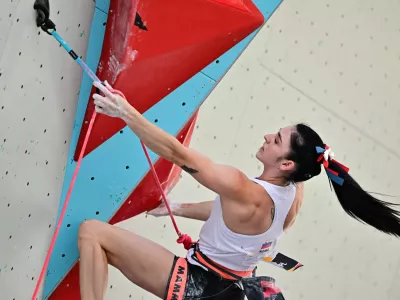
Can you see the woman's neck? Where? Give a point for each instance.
(280, 181)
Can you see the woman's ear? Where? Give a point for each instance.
(287, 165)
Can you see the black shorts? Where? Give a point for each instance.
(191, 282)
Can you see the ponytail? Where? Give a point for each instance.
(309, 152)
(355, 201)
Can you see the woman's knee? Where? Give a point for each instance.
(88, 230)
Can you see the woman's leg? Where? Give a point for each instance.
(142, 261)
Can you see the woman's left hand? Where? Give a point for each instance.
(109, 103)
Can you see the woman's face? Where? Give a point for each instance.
(275, 147)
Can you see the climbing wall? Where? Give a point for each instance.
(109, 181)
(332, 64)
(39, 89)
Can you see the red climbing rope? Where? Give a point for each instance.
(53, 240)
(183, 238)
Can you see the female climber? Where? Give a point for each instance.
(241, 225)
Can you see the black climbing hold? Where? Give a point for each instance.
(139, 22)
(42, 8)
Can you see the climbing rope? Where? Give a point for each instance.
(43, 21)
(183, 238)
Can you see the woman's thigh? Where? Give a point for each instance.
(145, 263)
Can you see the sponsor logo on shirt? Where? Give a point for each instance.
(265, 247)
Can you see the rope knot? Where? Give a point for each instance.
(186, 241)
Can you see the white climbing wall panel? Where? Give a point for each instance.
(332, 64)
(39, 84)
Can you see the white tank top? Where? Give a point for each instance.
(242, 252)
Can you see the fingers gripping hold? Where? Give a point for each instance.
(107, 100)
(104, 88)
(98, 106)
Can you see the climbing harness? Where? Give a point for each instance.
(43, 21)
(209, 280)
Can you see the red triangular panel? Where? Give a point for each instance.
(181, 39)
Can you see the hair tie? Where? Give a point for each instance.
(326, 156)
